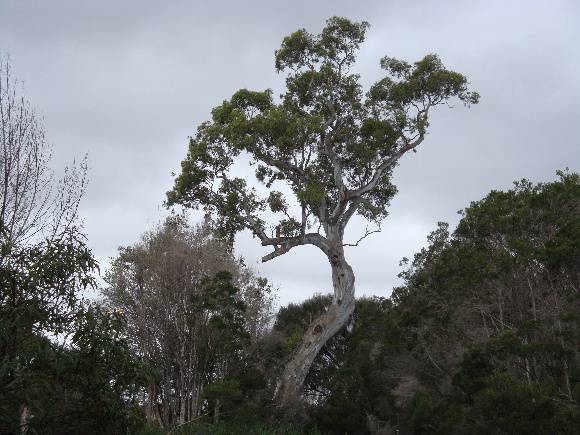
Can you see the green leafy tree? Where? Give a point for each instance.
(95, 382)
(331, 144)
(39, 297)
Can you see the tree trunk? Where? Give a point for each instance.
(25, 417)
(323, 328)
(216, 412)
(152, 409)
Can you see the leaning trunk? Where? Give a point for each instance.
(323, 328)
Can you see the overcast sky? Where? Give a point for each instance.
(128, 81)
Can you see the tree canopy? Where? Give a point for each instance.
(333, 144)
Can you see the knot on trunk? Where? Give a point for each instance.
(317, 330)
(334, 259)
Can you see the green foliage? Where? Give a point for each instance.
(510, 406)
(65, 364)
(323, 137)
(220, 298)
(474, 369)
(95, 381)
(421, 414)
(482, 337)
(293, 320)
(38, 295)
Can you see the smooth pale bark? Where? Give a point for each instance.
(323, 328)
(25, 417)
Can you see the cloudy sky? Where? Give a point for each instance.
(128, 81)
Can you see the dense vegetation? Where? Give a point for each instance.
(65, 365)
(481, 338)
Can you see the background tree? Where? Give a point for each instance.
(192, 310)
(64, 366)
(333, 146)
(57, 355)
(93, 384)
(39, 297)
(33, 203)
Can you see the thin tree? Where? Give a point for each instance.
(39, 227)
(33, 202)
(332, 145)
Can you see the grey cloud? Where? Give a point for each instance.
(128, 81)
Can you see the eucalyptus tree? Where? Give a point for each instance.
(333, 145)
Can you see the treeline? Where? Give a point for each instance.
(481, 338)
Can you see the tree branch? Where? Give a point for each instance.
(352, 209)
(281, 244)
(408, 146)
(367, 233)
(283, 165)
(279, 251)
(284, 244)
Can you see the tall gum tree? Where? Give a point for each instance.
(332, 144)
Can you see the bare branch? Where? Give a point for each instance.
(32, 201)
(367, 233)
(352, 209)
(285, 244)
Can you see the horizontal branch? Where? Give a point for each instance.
(281, 244)
(284, 244)
(279, 251)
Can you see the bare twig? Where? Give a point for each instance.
(367, 233)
